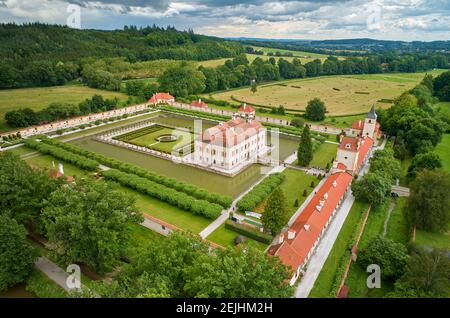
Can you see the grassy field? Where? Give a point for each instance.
(343, 95)
(225, 237)
(40, 97)
(324, 155)
(443, 150)
(323, 285)
(443, 107)
(436, 240)
(398, 228)
(293, 186)
(183, 219)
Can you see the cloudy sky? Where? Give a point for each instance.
(301, 19)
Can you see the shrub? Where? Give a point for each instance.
(163, 193)
(251, 233)
(260, 192)
(67, 156)
(192, 190)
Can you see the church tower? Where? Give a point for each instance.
(370, 124)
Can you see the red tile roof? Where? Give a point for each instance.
(199, 103)
(358, 125)
(232, 132)
(364, 148)
(341, 166)
(246, 109)
(349, 143)
(294, 252)
(160, 96)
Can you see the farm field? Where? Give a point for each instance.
(343, 95)
(38, 98)
(304, 57)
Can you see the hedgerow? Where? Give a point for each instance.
(192, 190)
(67, 156)
(260, 192)
(163, 193)
(241, 229)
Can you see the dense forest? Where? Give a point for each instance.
(43, 55)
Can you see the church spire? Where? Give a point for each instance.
(372, 114)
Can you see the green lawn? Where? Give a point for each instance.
(323, 285)
(225, 237)
(46, 162)
(38, 98)
(443, 107)
(293, 186)
(398, 228)
(436, 240)
(324, 155)
(40, 285)
(443, 150)
(183, 219)
(141, 238)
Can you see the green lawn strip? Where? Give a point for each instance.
(46, 162)
(443, 150)
(324, 155)
(183, 219)
(356, 281)
(293, 186)
(20, 151)
(398, 228)
(225, 237)
(43, 287)
(432, 239)
(405, 163)
(324, 283)
(141, 238)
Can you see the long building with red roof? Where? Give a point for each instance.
(295, 246)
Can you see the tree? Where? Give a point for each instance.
(305, 150)
(254, 87)
(237, 274)
(372, 187)
(422, 161)
(88, 223)
(22, 189)
(315, 110)
(392, 257)
(428, 206)
(17, 256)
(182, 81)
(427, 275)
(297, 122)
(441, 86)
(383, 162)
(182, 265)
(275, 215)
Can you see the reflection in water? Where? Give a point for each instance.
(204, 179)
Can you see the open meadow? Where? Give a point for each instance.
(343, 95)
(38, 98)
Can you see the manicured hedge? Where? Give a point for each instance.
(260, 192)
(163, 193)
(67, 156)
(192, 190)
(256, 235)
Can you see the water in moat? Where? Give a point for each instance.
(208, 180)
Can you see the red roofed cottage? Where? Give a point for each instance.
(161, 98)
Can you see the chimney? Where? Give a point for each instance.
(306, 226)
(359, 123)
(280, 239)
(291, 235)
(325, 196)
(334, 184)
(61, 168)
(321, 203)
(318, 208)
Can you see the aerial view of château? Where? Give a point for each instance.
(230, 157)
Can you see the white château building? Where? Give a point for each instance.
(231, 145)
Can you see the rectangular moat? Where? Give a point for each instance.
(232, 186)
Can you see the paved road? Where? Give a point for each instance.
(318, 259)
(53, 271)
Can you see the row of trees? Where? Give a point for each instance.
(25, 117)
